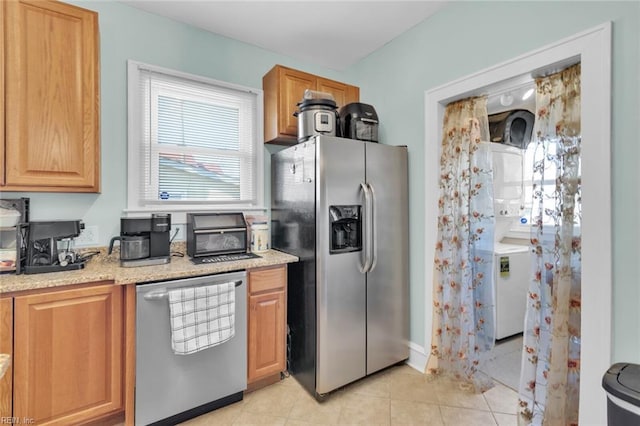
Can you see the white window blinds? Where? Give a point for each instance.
(198, 140)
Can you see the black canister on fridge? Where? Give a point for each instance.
(359, 121)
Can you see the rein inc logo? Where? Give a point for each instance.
(17, 420)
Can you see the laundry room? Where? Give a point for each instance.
(511, 116)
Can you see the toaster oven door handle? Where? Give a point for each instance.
(218, 230)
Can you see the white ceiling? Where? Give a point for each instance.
(330, 33)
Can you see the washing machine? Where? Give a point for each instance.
(511, 276)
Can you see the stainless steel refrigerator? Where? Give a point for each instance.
(341, 206)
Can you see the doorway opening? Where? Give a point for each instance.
(592, 49)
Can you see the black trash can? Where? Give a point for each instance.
(622, 383)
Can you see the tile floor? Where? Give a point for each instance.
(504, 362)
(398, 395)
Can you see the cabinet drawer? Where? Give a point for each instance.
(267, 279)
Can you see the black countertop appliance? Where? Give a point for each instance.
(49, 246)
(212, 234)
(144, 241)
(359, 121)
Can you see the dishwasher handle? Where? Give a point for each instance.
(163, 293)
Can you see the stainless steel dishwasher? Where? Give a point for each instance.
(173, 388)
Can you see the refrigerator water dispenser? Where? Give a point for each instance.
(345, 229)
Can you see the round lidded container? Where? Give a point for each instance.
(317, 115)
(259, 237)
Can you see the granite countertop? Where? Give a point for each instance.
(5, 360)
(103, 267)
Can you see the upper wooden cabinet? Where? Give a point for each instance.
(283, 88)
(50, 103)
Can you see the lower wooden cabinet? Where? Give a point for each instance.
(68, 354)
(267, 323)
(68, 349)
(6, 347)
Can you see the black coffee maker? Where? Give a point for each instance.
(144, 242)
(49, 246)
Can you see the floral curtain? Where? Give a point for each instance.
(550, 376)
(463, 325)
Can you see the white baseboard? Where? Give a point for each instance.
(417, 357)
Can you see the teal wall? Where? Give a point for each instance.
(467, 37)
(463, 38)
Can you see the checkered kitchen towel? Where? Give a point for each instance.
(201, 317)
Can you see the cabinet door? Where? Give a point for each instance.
(283, 89)
(293, 84)
(68, 355)
(342, 93)
(6, 347)
(266, 335)
(51, 97)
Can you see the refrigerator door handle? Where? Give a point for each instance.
(366, 225)
(372, 225)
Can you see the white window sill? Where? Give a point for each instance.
(179, 213)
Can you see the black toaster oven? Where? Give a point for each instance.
(211, 234)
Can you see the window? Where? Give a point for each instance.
(194, 143)
(534, 155)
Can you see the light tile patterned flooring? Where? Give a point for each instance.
(398, 395)
(504, 362)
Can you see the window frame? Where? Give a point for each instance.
(136, 206)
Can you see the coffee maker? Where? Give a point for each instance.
(144, 242)
(49, 246)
